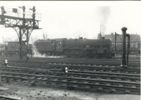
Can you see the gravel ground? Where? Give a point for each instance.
(40, 93)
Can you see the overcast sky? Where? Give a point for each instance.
(72, 19)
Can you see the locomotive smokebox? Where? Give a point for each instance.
(124, 62)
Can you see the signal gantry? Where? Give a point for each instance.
(22, 25)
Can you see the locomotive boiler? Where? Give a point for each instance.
(87, 48)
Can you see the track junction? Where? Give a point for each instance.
(86, 77)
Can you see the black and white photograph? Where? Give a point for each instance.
(70, 50)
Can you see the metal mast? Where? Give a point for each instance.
(125, 47)
(22, 25)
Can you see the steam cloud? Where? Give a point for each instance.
(36, 53)
(104, 14)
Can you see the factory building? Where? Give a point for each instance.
(134, 43)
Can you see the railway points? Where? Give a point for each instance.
(82, 77)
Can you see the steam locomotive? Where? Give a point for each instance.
(87, 48)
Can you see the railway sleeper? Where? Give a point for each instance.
(101, 69)
(33, 82)
(88, 76)
(77, 79)
(51, 72)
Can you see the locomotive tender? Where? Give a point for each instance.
(87, 48)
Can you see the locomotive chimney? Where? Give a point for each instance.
(124, 60)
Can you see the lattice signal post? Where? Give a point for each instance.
(22, 25)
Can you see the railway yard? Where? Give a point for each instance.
(99, 78)
(78, 68)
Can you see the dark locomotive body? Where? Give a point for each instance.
(87, 48)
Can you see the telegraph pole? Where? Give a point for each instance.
(116, 35)
(124, 46)
(115, 43)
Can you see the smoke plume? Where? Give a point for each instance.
(104, 14)
(36, 53)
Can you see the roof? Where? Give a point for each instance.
(133, 37)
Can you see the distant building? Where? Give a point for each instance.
(2, 49)
(134, 43)
(12, 49)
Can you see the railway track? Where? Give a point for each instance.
(114, 61)
(3, 97)
(89, 77)
(76, 73)
(111, 76)
(93, 67)
(75, 82)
